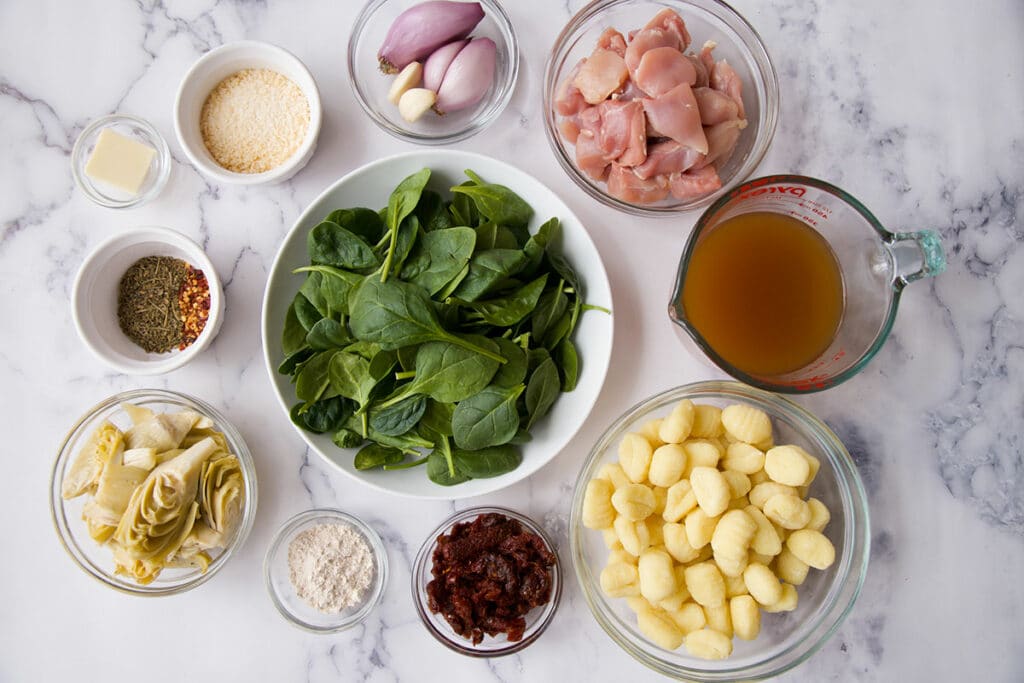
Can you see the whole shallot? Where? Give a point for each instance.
(423, 28)
(468, 77)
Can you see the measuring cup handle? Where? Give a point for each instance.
(916, 255)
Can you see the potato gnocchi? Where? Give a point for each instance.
(708, 524)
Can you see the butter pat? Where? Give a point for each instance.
(119, 161)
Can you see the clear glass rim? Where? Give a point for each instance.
(420, 571)
(163, 160)
(851, 572)
(57, 503)
(380, 556)
(750, 41)
(499, 100)
(678, 315)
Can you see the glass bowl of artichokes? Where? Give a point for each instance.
(152, 492)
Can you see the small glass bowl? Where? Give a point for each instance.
(371, 86)
(95, 559)
(825, 598)
(537, 619)
(132, 127)
(282, 592)
(737, 42)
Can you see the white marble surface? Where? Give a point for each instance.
(917, 108)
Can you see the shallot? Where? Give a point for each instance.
(421, 29)
(437, 64)
(468, 77)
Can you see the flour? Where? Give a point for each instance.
(330, 566)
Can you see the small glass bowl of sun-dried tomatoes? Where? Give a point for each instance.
(487, 581)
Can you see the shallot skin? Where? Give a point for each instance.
(469, 76)
(421, 29)
(437, 64)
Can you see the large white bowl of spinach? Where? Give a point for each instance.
(436, 324)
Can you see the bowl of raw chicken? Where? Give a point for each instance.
(152, 492)
(659, 106)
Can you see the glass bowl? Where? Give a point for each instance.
(282, 592)
(825, 598)
(370, 85)
(95, 559)
(737, 42)
(132, 127)
(537, 619)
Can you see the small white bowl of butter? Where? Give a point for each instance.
(120, 161)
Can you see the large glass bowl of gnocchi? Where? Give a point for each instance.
(719, 532)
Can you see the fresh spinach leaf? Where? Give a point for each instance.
(290, 364)
(508, 310)
(408, 464)
(311, 290)
(496, 203)
(569, 362)
(402, 202)
(395, 314)
(399, 418)
(438, 257)
(537, 244)
(493, 236)
(431, 212)
(346, 438)
(559, 330)
(487, 270)
(542, 390)
(463, 210)
(437, 419)
(335, 285)
(513, 372)
(374, 455)
(305, 312)
(439, 473)
(329, 243)
(488, 418)
(487, 462)
(326, 416)
(312, 380)
(449, 373)
(293, 336)
(549, 309)
(327, 334)
(363, 223)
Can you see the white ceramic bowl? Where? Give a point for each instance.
(211, 69)
(94, 299)
(370, 186)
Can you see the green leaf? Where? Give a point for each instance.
(374, 455)
(335, 285)
(508, 310)
(327, 415)
(431, 212)
(361, 222)
(438, 472)
(305, 312)
(290, 364)
(313, 378)
(487, 270)
(402, 202)
(493, 236)
(537, 244)
(346, 438)
(311, 290)
(399, 418)
(329, 243)
(549, 309)
(438, 257)
(450, 373)
(496, 203)
(542, 391)
(488, 418)
(569, 362)
(293, 336)
(487, 462)
(438, 418)
(513, 372)
(327, 334)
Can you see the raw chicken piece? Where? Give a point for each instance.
(629, 92)
(725, 79)
(569, 129)
(645, 40)
(662, 69)
(569, 100)
(692, 184)
(705, 56)
(701, 69)
(612, 40)
(721, 141)
(675, 115)
(589, 120)
(589, 156)
(601, 75)
(625, 185)
(668, 20)
(623, 132)
(715, 107)
(667, 157)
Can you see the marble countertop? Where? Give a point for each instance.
(917, 108)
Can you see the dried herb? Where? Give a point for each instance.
(148, 308)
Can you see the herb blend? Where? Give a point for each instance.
(162, 303)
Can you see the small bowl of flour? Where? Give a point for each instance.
(325, 570)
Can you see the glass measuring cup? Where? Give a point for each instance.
(876, 265)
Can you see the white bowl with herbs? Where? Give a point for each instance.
(147, 301)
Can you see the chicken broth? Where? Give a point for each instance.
(765, 291)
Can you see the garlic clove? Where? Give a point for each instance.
(415, 102)
(408, 78)
(437, 64)
(469, 76)
(423, 28)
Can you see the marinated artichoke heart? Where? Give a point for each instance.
(164, 493)
(84, 474)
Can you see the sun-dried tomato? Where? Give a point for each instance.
(488, 574)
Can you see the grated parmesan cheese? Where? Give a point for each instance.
(254, 121)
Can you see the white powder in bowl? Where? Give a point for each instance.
(330, 566)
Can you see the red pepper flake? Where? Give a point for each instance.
(193, 305)
(488, 574)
